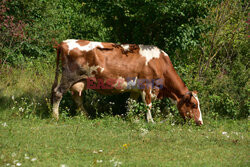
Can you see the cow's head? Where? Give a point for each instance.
(189, 107)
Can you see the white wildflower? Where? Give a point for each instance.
(13, 154)
(4, 124)
(112, 160)
(95, 152)
(8, 164)
(63, 165)
(13, 97)
(117, 163)
(18, 164)
(99, 161)
(21, 109)
(100, 151)
(237, 133)
(144, 131)
(225, 133)
(33, 159)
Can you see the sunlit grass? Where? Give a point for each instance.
(111, 140)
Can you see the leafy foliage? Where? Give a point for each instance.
(206, 40)
(167, 24)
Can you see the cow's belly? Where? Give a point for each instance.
(106, 87)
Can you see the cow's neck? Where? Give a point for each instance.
(175, 87)
(177, 93)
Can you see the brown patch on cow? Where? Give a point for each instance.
(147, 96)
(133, 48)
(108, 45)
(64, 47)
(82, 42)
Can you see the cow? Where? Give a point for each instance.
(111, 68)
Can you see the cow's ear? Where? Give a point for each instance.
(187, 96)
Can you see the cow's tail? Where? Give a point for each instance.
(55, 84)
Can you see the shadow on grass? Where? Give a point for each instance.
(30, 104)
(25, 105)
(5, 102)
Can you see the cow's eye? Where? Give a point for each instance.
(194, 105)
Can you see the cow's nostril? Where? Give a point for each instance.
(199, 123)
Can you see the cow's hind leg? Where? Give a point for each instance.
(77, 89)
(57, 94)
(56, 99)
(146, 97)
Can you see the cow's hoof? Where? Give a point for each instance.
(151, 121)
(55, 116)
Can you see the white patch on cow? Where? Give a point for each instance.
(143, 95)
(72, 44)
(150, 105)
(125, 47)
(164, 53)
(148, 114)
(196, 97)
(91, 69)
(153, 96)
(102, 69)
(149, 52)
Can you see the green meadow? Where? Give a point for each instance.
(111, 141)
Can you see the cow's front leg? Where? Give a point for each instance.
(146, 97)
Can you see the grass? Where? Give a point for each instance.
(78, 141)
(30, 139)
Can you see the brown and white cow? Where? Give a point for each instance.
(106, 68)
